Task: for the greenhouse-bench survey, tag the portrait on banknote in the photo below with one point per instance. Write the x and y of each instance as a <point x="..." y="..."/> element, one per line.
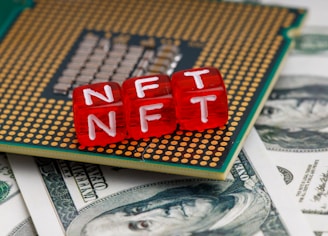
<point x="184" y="207"/>
<point x="157" y="204"/>
<point x="295" y="117"/>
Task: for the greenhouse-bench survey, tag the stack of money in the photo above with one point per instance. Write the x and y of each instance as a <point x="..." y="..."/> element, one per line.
<point x="277" y="186"/>
<point x="294" y="122"/>
<point x="74" y="198"/>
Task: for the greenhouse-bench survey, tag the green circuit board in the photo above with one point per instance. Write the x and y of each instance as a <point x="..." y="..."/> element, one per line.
<point x="57" y="45"/>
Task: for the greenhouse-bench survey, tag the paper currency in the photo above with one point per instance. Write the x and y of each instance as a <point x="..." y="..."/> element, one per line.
<point x="294" y="122"/>
<point x="85" y="199"/>
<point x="308" y="181"/>
<point x="312" y="41"/>
<point x="295" y="118"/>
<point x="14" y="218"/>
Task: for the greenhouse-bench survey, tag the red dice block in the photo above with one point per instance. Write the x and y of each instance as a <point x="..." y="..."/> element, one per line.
<point x="200" y="97"/>
<point x="99" y="116"/>
<point x="149" y="106"/>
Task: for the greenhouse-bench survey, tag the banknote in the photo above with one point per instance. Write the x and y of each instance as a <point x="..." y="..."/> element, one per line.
<point x="293" y="124"/>
<point x="14" y="218"/>
<point x="307" y="179"/>
<point x="85" y="199"/>
<point x="294" y="127"/>
<point x="312" y="41"/>
<point x="295" y="117"/>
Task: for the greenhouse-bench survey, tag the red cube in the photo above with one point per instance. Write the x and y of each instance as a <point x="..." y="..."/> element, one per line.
<point x="149" y="106"/>
<point x="99" y="114"/>
<point x="200" y="97"/>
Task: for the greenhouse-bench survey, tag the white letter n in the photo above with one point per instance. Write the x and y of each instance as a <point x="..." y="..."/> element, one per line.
<point x="111" y="130"/>
<point x="88" y="92"/>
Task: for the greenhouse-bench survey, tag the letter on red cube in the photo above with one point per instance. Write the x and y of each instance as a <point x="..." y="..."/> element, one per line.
<point x="200" y="97"/>
<point x="99" y="114"/>
<point x="149" y="106"/>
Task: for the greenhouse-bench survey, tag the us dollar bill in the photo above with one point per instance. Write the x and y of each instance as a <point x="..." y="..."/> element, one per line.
<point x="87" y="199"/>
<point x="308" y="182"/>
<point x="294" y="122"/>
<point x="295" y="117"/>
<point x="312" y="41"/>
<point x="14" y="218"/>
